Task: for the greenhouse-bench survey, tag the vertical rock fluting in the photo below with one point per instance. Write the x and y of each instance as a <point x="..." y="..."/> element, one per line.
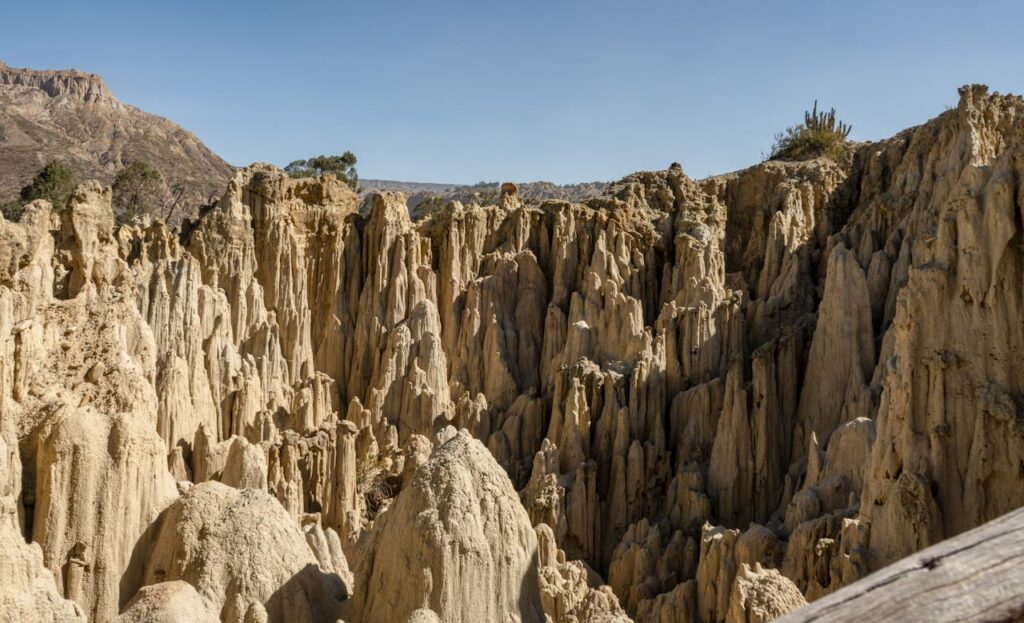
<point x="29" y="591"/>
<point x="948" y="447"/>
<point x="801" y="368"/>
<point x="84" y="405"/>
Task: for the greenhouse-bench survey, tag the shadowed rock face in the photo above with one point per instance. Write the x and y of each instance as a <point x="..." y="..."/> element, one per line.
<point x="722" y="396"/>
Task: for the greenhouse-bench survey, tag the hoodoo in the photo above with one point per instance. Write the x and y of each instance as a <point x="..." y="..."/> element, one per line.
<point x="683" y="400"/>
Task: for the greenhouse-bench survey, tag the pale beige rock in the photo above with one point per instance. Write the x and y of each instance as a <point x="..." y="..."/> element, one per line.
<point x="245" y="466"/>
<point x="842" y="354"/>
<point x="716" y="572"/>
<point x="28" y="592"/>
<point x="82" y="404"/>
<point x="240" y="547"/>
<point x="417" y="452"/>
<point x="731" y="468"/>
<point x="86" y="234"/>
<point x="571" y="591"/>
<point x="346" y="505"/>
<point x="326" y="546"/>
<point x="757" y="545"/>
<point x="456" y="541"/>
<point x="646" y="564"/>
<point x="95" y="545"/>
<point x="676" y="606"/>
<point x="813" y="552"/>
<point x="167" y="602"/>
<point x="760" y="595"/>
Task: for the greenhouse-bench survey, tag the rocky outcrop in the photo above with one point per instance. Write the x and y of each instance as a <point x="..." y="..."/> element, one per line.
<point x="28" y="592"/>
<point x="242" y="553"/>
<point x="78" y="365"/>
<point x="425" y="199"/>
<point x="77" y="85"/>
<point x="167" y="602"/>
<point x="571" y="592"/>
<point x="946" y="457"/>
<point x="708" y="393"/>
<point x="456" y="542"/>
<point x="762" y="595"/>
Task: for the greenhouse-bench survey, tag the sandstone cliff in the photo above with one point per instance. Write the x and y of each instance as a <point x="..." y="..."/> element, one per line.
<point x="681" y="401"/>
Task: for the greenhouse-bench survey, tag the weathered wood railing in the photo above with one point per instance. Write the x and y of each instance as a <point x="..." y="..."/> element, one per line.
<point x="976" y="576"/>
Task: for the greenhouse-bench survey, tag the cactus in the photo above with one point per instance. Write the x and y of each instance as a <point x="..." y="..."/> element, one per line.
<point x="821" y="134"/>
<point x="825" y="122"/>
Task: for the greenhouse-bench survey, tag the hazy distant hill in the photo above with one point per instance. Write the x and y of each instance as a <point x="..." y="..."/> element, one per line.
<point x="72" y="116"/>
<point x="485" y="191"/>
<point x="368" y="186"/>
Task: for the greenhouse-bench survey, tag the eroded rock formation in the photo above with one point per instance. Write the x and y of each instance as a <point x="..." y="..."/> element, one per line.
<point x="681" y="401"/>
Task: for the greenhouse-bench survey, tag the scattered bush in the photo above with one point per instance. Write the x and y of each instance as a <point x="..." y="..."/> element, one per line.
<point x="429" y="208"/>
<point x="138" y="189"/>
<point x="343" y="167"/>
<point x="375" y="483"/>
<point x="54" y="182"/>
<point x="482" y="197"/>
<point x="821" y="134"/>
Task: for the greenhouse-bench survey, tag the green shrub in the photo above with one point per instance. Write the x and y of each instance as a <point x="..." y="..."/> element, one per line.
<point x="429" y="208"/>
<point x="11" y="210"/>
<point x="343" y="167"/>
<point x="484" y="197"/>
<point x="821" y="134"/>
<point x="138" y="189"/>
<point x="54" y="182"/>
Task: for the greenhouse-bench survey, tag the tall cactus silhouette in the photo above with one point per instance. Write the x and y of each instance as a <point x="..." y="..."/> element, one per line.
<point x="825" y="122"/>
<point x="821" y="134"/>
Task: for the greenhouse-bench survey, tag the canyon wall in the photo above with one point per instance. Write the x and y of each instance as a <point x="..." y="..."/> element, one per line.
<point x="700" y="400"/>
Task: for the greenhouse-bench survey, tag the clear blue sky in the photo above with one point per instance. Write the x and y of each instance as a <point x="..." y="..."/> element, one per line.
<point x="559" y="90"/>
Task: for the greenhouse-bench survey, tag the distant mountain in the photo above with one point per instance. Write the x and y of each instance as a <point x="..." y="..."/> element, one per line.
<point x="485" y="191"/>
<point x="72" y="116"/>
<point x="368" y="186"/>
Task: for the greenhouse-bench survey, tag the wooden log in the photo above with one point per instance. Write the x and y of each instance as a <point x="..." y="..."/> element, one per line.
<point x="975" y="576"/>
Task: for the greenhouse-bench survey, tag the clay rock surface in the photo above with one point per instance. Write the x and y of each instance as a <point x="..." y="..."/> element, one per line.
<point x="675" y="401"/>
<point x="456" y="542"/>
<point x="29" y="592"/>
<point x="457" y="545"/>
<point x="242" y="552"/>
<point x="762" y="595"/>
<point x="168" y="602"/>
